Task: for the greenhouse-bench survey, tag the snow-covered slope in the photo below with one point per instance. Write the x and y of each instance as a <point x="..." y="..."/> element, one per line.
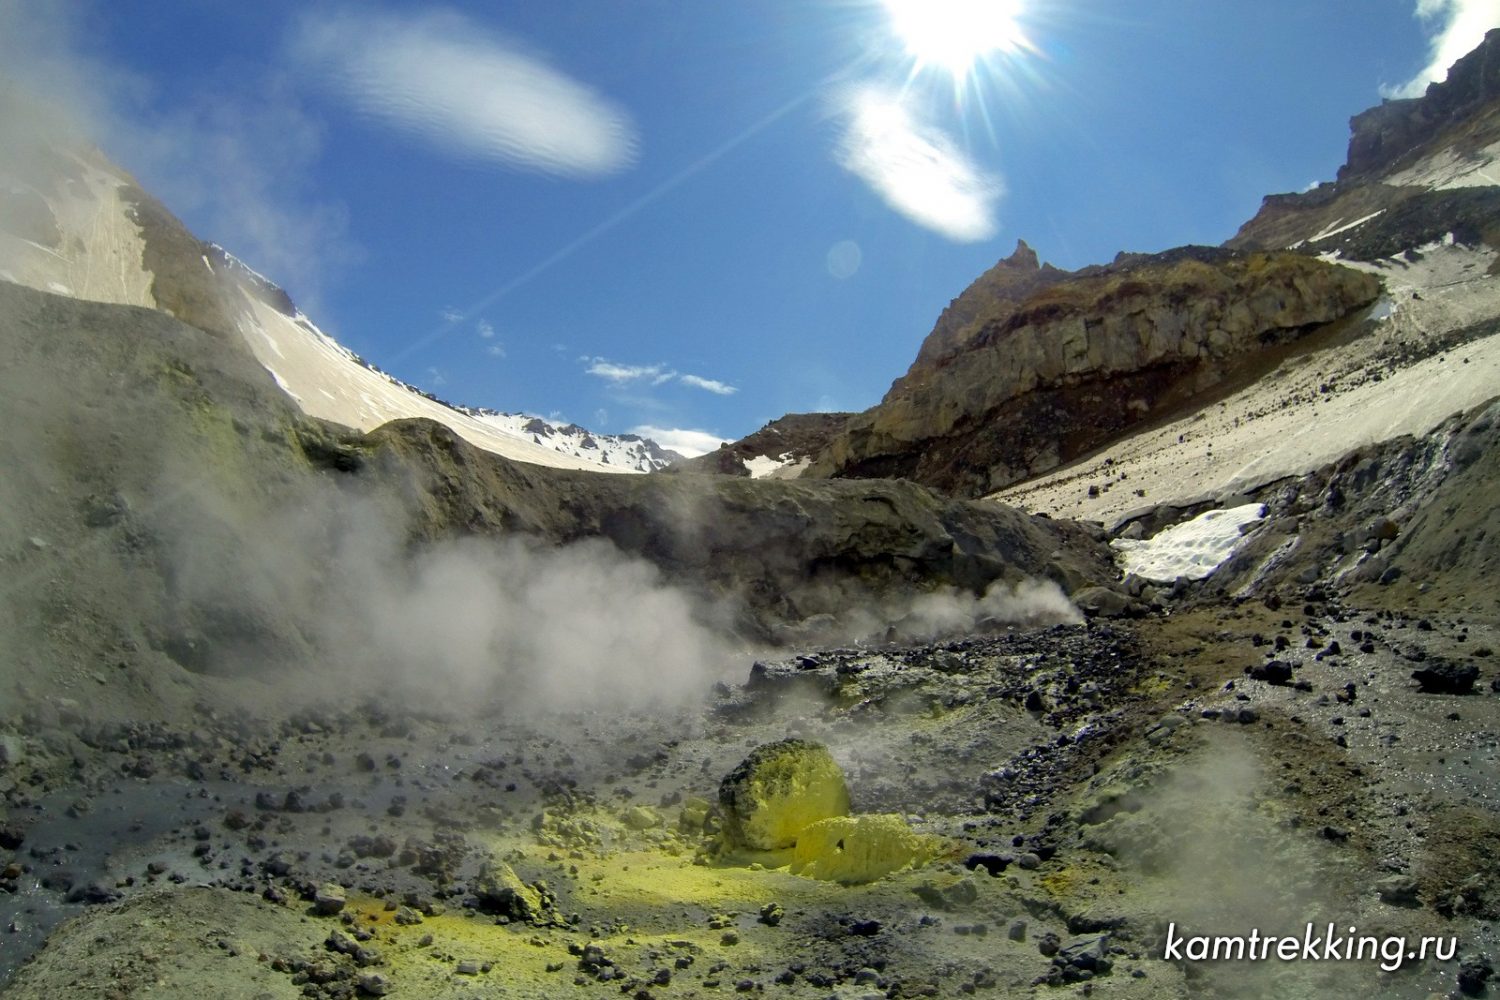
<point x="330" y="381"/>
<point x="628" y="451"/>
<point x="72" y="223"/>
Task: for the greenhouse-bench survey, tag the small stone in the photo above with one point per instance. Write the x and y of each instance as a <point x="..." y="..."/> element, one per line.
<point x="1398" y="890"/>
<point x="374" y="984"/>
<point x="641" y="818"/>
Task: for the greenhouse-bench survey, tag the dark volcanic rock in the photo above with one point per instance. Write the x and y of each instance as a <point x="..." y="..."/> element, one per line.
<point x="792" y="438"/>
<point x="1447" y="677"/>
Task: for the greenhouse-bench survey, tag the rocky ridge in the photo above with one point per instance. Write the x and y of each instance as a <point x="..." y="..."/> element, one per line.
<point x="780" y="449"/>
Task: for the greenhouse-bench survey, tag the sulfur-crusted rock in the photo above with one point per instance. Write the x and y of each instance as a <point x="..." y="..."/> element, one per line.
<point x="778" y="791"/>
<point x="857" y="849"/>
<point x="500" y="890"/>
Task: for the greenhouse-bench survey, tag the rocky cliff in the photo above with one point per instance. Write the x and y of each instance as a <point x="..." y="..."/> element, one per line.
<point x="1411" y="154"/>
<point x="1036" y="366"/>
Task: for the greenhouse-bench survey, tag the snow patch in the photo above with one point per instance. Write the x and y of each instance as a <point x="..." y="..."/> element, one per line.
<point x="1335" y="229"/>
<point x="1191" y="550"/>
<point x="1448" y="169"/>
<point x="762" y="466"/>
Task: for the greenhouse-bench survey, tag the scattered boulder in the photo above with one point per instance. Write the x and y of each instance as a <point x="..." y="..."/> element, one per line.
<point x="641" y="818"/>
<point x="1473" y="972"/>
<point x="329" y="899"/>
<point x="1446" y="677"/>
<point x="500" y="890"/>
<point x="1277" y="672"/>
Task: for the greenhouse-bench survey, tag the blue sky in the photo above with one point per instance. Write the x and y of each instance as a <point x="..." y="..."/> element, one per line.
<point x="696" y="216"/>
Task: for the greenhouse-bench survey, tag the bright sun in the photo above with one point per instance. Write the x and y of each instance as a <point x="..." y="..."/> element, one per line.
<point x="953" y="34"/>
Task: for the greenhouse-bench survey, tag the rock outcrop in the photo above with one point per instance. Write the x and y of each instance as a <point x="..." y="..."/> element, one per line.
<point x="1397" y="131"/>
<point x="784" y="443"/>
<point x="1059" y="364"/>
<point x="1403" y="154"/>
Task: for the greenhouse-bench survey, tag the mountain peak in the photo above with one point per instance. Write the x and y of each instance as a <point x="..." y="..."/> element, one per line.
<point x="1024" y="258"/>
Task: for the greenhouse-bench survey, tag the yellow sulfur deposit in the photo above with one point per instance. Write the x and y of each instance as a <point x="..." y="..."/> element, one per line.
<point x="778" y="790"/>
<point x="856" y="849"/>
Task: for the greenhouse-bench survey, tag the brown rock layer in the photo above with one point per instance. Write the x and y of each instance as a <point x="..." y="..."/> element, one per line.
<point x="1074" y="363"/>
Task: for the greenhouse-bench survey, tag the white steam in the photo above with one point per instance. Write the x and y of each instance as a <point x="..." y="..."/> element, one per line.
<point x="324" y="597"/>
<point x="930" y="615"/>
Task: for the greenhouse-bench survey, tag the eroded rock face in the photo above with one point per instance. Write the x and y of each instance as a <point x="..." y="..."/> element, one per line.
<point x="778" y="791"/>
<point x="1074" y="363"/>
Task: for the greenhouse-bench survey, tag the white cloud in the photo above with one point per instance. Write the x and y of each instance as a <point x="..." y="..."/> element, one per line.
<point x="495" y="351"/>
<point x="916" y="167"/>
<point x="620" y="374"/>
<point x="486" y="329"/>
<point x="435" y="378"/>
<point x="450" y="314"/>
<point x="443" y="79"/>
<point x="708" y="384"/>
<point x="685" y="442"/>
<point x="1456" y="27"/>
<point x="617" y="374"/>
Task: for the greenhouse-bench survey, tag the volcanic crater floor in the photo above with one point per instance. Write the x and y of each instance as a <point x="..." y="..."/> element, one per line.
<point x="1090" y="787"/>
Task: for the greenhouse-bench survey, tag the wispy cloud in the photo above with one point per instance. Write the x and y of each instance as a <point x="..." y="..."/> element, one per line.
<point x="448" y="314"/>
<point x="495" y="351"/>
<point x="618" y="374"/>
<point x="485" y="329"/>
<point x="1456" y="27"/>
<point x="622" y="374"/>
<point x="683" y="441"/>
<point x="916" y="167"/>
<point x="708" y="384"/>
<point x="442" y="79"/>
